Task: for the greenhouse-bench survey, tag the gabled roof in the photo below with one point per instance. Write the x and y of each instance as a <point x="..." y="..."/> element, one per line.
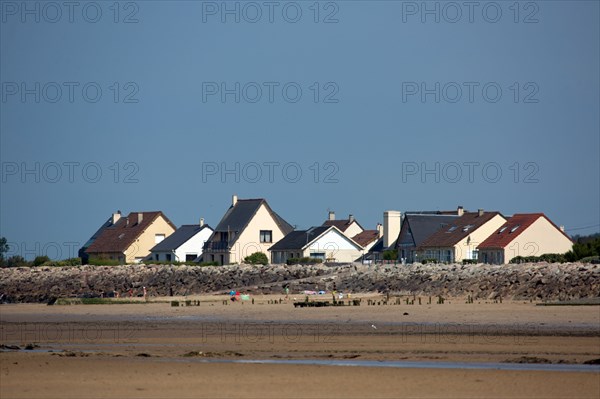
<point x="179" y="237"/>
<point x="366" y="237"/>
<point x="459" y="229"/>
<point x="298" y="239"/>
<point x="341" y="224"/>
<point x="238" y="216"/>
<point x="420" y="226"/>
<point x="514" y="226"/>
<point x="120" y="236"/>
<point x="93" y="238"/>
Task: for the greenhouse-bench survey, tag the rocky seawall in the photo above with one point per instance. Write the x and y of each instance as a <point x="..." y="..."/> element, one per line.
<point x="524" y="281"/>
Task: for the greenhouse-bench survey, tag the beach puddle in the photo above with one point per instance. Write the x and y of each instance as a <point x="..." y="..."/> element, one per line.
<point x="407" y="364"/>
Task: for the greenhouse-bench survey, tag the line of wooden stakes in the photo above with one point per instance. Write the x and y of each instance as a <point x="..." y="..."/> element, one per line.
<point x="440" y="300"/>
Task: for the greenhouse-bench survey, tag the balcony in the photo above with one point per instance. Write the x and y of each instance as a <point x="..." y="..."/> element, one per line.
<point x="216" y="246"/>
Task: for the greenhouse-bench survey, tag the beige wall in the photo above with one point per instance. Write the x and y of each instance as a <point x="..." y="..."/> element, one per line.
<point x="353" y="230"/>
<point x="538" y="239"/>
<point x="141" y="247"/>
<point x="463" y="250"/>
<point x="249" y="241"/>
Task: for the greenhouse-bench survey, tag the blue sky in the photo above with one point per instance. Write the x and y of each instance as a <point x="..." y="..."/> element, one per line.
<point x="402" y="105"/>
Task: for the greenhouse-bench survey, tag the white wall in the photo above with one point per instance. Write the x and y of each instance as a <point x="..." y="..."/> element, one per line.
<point x="336" y="246"/>
<point x="193" y="245"/>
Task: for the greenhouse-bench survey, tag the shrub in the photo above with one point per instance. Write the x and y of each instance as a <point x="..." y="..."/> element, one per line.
<point x="63" y="263"/>
<point x="39" y="260"/>
<point x="257" y="258"/>
<point x="429" y="260"/>
<point x="390" y="255"/>
<point x="550" y="258"/>
<point x="209" y="264"/>
<point x="469" y="261"/>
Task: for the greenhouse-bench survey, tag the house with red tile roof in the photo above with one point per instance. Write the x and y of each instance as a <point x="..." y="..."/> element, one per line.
<point x="459" y="238"/>
<point x="350" y="227"/>
<point x="368" y="238"/>
<point x="353" y="230"/>
<point x="524" y="234"/>
<point x="129" y="239"/>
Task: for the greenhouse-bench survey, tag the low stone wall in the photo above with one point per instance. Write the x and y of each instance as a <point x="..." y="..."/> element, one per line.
<point x="524" y="281"/>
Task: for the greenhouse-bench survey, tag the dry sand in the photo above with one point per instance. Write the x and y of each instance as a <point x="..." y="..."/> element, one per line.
<point x="155" y="350"/>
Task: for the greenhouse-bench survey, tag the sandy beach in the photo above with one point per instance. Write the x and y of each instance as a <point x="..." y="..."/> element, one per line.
<point x="156" y="350"/>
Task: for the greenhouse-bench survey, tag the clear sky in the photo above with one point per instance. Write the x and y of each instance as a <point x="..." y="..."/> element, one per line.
<point x="353" y="106"/>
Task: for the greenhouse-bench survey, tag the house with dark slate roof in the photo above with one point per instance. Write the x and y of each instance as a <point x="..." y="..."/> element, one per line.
<point x="327" y="243"/>
<point x="416" y="228"/>
<point x="184" y="245"/>
<point x="459" y="239"/>
<point x="129" y="239"/>
<point x="248" y="226"/>
<point x="524" y="234"/>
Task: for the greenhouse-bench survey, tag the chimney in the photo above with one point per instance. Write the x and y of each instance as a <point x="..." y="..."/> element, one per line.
<point x="234" y="199"/>
<point x="201" y="222"/>
<point x="479" y="212"/>
<point x="331" y="215"/>
<point x="391" y="227"/>
<point x="116" y="216"/>
<point x="379" y="230"/>
<point x="140" y="217"/>
<point x="350" y="218"/>
<point x="562" y="228"/>
<point x="460" y="211"/>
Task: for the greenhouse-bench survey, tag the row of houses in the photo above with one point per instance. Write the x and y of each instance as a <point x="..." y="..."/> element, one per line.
<point x="251" y="225"/>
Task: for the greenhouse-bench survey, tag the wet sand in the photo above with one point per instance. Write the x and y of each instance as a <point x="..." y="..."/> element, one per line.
<point x="155" y="350"/>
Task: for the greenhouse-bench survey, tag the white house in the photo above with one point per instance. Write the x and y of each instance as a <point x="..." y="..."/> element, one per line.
<point x="327" y="243"/>
<point x="184" y="245"/>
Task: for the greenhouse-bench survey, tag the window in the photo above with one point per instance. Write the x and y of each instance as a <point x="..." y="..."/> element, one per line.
<point x="318" y="255"/>
<point x="451" y="229"/>
<point x="501" y="230"/>
<point x="514" y="228"/>
<point x="168" y="256"/>
<point x="156" y="257"/>
<point x="266" y="236"/>
<point x="467" y="227"/>
<point x="190" y="257"/>
<point x="158" y="238"/>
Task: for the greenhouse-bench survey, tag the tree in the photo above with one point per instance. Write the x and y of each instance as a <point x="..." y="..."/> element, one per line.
<point x="16" y="261"/>
<point x="3" y="247"/>
<point x="257" y="258"/>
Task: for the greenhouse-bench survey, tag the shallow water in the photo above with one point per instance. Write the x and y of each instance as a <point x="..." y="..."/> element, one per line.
<point x="415" y="364"/>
